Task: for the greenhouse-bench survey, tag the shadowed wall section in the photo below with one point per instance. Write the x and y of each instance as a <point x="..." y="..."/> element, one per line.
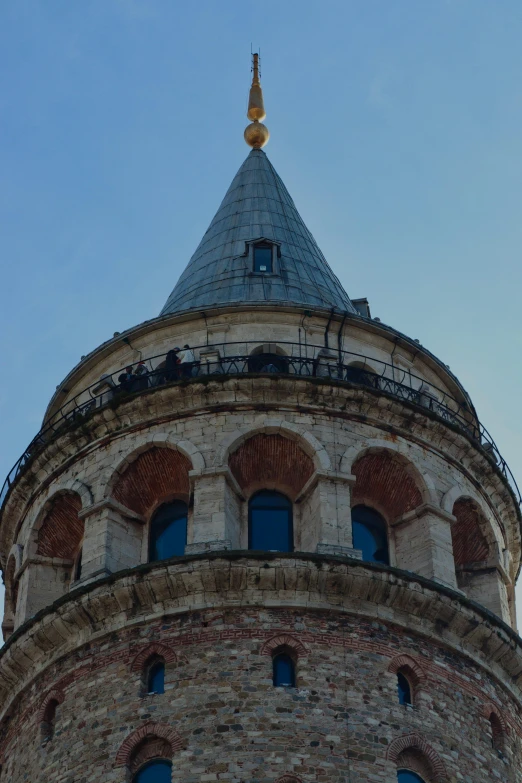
<point x="469" y="543"/>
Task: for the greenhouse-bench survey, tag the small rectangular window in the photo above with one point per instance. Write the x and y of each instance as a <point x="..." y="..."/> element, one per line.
<point x="263" y="259"/>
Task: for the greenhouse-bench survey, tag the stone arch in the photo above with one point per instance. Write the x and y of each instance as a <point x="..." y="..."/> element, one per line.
<point x="406" y="662"/>
<point x="424" y="480"/>
<point x="150" y="731"/>
<point x="271" y="461"/>
<point x="308" y="442"/>
<point x="416" y="746"/>
<point x="155" y="648"/>
<point x="152" y="474"/>
<point x="388" y="482"/>
<point x="58" y="530"/>
<point x="283" y="640"/>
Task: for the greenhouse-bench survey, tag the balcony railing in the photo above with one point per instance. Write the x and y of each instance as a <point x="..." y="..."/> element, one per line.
<point x="292" y="359"/>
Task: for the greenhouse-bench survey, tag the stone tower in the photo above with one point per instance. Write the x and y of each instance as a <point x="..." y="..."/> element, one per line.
<point x="284" y="553"/>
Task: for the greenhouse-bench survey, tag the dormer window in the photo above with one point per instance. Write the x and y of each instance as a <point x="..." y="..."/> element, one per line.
<point x="263" y="254"/>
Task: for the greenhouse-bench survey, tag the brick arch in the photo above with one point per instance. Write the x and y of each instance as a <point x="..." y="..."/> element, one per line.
<point x="155" y="648"/>
<point x="308" y="442"/>
<point x="157" y="474"/>
<point x="490" y="709"/>
<point x="388" y="482"/>
<point x="60" y="531"/>
<point x="283" y="640"/>
<point x="415" y="742"/>
<point x="470" y="545"/>
<point x="54" y="695"/>
<point x="271" y="461"/>
<point x="288" y="779"/>
<point x="149" y="731"/>
<point x="412" y="667"/>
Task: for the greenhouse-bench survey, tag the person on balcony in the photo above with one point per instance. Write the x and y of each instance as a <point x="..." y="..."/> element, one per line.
<point x="126" y="379"/>
<point x="141" y="374"/>
<point x="186" y="360"/>
<point x="172" y="366"/>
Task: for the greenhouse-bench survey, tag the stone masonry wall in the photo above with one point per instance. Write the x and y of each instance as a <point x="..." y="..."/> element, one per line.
<point x="338" y="724"/>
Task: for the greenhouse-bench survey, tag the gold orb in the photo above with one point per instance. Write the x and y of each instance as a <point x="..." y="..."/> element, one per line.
<point x="256" y="135"/>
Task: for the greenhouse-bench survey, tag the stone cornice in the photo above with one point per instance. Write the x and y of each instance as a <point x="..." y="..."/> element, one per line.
<point x="235" y="578"/>
<point x="113" y="505"/>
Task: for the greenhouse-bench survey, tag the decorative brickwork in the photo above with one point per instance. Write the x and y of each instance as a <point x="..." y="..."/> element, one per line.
<point x="61" y="531"/>
<point x="415" y="671"/>
<point x="54" y="696"/>
<point x="157" y="475"/>
<point x="384" y="481"/>
<point x="469" y="543"/>
<point x="283" y="640"/>
<point x="155" y="648"/>
<point x="402" y="747"/>
<point x="271" y="461"/>
<point x="150" y="731"/>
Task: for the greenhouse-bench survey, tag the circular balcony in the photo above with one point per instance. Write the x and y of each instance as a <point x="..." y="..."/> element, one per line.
<point x="283" y="358"/>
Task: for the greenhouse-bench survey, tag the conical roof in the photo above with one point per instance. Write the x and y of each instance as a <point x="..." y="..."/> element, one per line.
<point x="257" y="206"/>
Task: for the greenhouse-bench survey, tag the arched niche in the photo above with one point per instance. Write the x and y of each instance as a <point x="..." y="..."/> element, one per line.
<point x="480" y="572"/>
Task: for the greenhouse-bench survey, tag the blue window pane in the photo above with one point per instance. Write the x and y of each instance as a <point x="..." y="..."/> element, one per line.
<point x="168" y="531"/>
<point x="284" y="671"/>
<point x="157" y="772"/>
<point x="262" y="259"/>
<point x="404" y="776"/>
<point x="270" y="525"/>
<point x="369" y="534"/>
<point x="403" y="687"/>
<point x="156" y="682"/>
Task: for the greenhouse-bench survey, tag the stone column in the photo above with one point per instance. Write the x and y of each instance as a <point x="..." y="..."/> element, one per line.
<point x="113" y="538"/>
<point x="423" y="545"/>
<point x="487" y="584"/>
<point x="217" y="511"/>
<point x="42" y="580"/>
<point x="325" y="519"/>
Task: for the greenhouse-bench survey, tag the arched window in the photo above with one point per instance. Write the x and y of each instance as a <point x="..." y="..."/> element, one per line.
<point x="270" y="522"/>
<point x="497" y="732"/>
<point x="154" y="772"/>
<point x="405" y="776"/>
<point x="49" y="721"/>
<point x="156" y="676"/>
<point x="404" y="689"/>
<point x="370" y="534"/>
<point x="168" y="531"/>
<point x="283" y="669"/>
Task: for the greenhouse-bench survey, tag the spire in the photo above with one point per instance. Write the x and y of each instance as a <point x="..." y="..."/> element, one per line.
<point x="257" y="211"/>
<point x="256" y="134"/>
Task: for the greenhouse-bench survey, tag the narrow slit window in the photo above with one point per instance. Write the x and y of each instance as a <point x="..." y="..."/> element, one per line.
<point x="404" y="689"/>
<point x="283" y="671"/>
<point x="263" y="259"/>
<point x="156" y="678"/>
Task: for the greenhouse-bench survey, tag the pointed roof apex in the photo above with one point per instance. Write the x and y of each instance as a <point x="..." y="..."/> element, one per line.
<point x="257" y="209"/>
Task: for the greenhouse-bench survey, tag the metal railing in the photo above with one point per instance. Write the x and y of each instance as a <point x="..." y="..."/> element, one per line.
<point x="239" y="358"/>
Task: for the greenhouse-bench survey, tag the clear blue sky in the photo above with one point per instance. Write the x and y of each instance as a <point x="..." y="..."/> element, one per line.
<point x="396" y="126"/>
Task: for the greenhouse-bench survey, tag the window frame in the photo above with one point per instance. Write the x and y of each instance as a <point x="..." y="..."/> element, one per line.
<point x="144" y="767"/>
<point x="157" y="510"/>
<point x="410" y="772"/>
<point x="279" y="653"/>
<point x="264" y="243"/>
<point x="385" y="530"/>
<point x="268" y="508"/>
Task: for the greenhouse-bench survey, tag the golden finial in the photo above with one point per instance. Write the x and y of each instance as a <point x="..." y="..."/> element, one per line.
<point x="256" y="134"/>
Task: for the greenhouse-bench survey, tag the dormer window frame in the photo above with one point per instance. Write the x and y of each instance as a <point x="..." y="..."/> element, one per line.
<point x="276" y="255"/>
